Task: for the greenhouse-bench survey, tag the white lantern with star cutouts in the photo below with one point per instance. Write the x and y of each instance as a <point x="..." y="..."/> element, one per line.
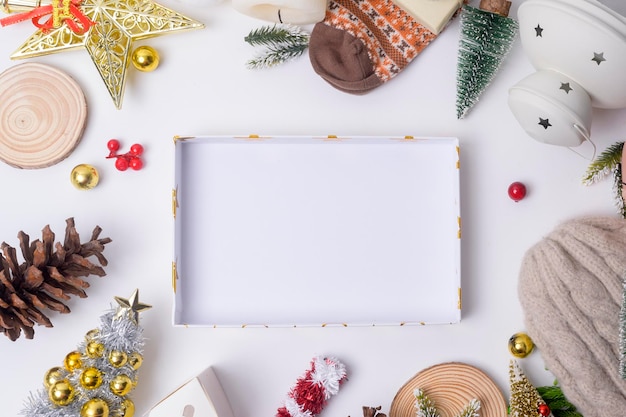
<point x="579" y="50"/>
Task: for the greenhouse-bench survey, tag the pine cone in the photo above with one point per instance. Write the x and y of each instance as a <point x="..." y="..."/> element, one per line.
<point x="50" y="273"/>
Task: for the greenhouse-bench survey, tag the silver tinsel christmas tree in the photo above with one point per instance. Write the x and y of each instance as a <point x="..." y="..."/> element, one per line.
<point x="96" y="378"/>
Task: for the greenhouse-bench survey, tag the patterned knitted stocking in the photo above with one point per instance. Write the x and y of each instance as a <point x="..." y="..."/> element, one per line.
<point x="362" y="44"/>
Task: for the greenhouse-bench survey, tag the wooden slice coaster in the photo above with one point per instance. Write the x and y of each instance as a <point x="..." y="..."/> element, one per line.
<point x="42" y="115"/>
<point x="451" y="386"/>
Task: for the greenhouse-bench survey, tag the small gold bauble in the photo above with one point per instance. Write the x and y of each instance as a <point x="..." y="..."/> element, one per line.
<point x="95" y="407"/>
<point x="127" y="408"/>
<point x="84" y="177"/>
<point x="73" y="361"/>
<point x="61" y="392"/>
<point x="521" y="345"/>
<point x="145" y="58"/>
<point x="91" y="334"/>
<point x="118" y="358"/>
<point x="91" y="378"/>
<point x="53" y="376"/>
<point x="94" y="349"/>
<point x="121" y="385"/>
<point x="135" y="360"/>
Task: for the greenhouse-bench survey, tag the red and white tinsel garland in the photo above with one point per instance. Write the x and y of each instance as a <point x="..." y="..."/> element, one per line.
<point x="312" y="390"/>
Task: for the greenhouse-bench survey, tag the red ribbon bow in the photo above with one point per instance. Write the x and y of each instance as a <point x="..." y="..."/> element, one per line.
<point x="59" y="12"/>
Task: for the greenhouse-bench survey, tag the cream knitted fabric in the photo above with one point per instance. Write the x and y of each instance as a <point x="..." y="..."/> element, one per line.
<point x="570" y="288"/>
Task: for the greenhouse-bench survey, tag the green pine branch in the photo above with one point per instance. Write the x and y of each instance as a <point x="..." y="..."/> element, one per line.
<point x="604" y="164"/>
<point x="555" y="399"/>
<point x="471" y="410"/>
<point x="424" y="406"/>
<point x="277" y="34"/>
<point x="609" y="162"/>
<point x="282" y="43"/>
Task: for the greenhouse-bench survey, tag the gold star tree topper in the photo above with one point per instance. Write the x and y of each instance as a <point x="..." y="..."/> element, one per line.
<point x="117" y="23"/>
<point x="130" y="307"/>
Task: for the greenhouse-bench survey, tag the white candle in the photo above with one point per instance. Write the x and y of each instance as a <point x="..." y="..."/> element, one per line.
<point x="295" y="12"/>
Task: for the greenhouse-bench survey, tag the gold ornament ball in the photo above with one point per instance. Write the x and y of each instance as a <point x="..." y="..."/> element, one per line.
<point x="127" y="408"/>
<point x="61" y="392"/>
<point x="118" y="358"/>
<point x="92" y="334"/>
<point x="121" y="385"/>
<point x="145" y="58"/>
<point x="95" y="407"/>
<point x="94" y="349"/>
<point x="521" y="345"/>
<point x="84" y="177"/>
<point x="91" y="378"/>
<point x="53" y="376"/>
<point x="72" y="361"/>
<point x="135" y="360"/>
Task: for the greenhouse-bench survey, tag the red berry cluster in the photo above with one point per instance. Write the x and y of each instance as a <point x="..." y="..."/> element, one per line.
<point x="130" y="159"/>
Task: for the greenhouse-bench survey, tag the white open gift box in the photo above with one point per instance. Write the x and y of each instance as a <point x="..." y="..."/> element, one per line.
<point x="316" y="231"/>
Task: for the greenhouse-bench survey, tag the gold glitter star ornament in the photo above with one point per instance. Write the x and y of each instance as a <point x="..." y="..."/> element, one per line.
<point x="130" y="307"/>
<point x="117" y="24"/>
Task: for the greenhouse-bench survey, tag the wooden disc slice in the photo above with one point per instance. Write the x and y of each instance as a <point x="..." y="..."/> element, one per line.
<point x="451" y="386"/>
<point x="42" y="115"/>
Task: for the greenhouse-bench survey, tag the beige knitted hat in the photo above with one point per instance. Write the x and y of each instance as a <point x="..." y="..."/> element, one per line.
<point x="570" y="288"/>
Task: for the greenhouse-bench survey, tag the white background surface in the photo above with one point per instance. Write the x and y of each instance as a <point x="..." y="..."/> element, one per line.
<point x="203" y="87"/>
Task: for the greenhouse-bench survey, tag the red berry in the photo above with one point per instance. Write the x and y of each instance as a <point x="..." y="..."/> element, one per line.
<point x="113" y="145"/>
<point x="517" y="191"/>
<point x="136" y="149"/>
<point x="121" y="164"/>
<point x="544" y="410"/>
<point x="135" y="163"/>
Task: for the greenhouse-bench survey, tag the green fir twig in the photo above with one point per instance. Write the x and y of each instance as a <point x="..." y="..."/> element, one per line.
<point x="555" y="399"/>
<point x="471" y="409"/>
<point x="604" y="164"/>
<point x="424" y="406"/>
<point x="281" y="43"/>
<point x="609" y="162"/>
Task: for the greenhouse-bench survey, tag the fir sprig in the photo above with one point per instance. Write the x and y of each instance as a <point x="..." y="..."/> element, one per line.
<point x="609" y="162"/>
<point x="604" y="164"/>
<point x="281" y="43"/>
<point x="559" y="405"/>
<point x="424" y="406"/>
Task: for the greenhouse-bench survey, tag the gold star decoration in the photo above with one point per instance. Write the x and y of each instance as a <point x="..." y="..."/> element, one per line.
<point x="130" y="307"/>
<point x="109" y="41"/>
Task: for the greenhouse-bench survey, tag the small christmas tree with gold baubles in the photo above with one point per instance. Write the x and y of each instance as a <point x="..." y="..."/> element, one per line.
<point x="96" y="378"/>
